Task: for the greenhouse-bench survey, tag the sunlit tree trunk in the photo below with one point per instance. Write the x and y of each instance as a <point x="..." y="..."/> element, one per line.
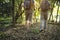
<point x="19" y="12"/>
<point x="34" y="16"/>
<point x="51" y="15"/>
<point x="57" y="12"/>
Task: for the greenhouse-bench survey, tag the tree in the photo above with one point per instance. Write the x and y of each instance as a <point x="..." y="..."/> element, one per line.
<point x="52" y="7"/>
<point x="58" y="4"/>
<point x="52" y="3"/>
<point x="13" y="15"/>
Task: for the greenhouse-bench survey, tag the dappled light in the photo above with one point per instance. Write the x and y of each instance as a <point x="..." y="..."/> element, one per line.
<point x="29" y="19"/>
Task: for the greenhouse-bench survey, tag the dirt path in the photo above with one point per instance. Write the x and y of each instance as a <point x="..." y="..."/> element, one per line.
<point x="20" y="33"/>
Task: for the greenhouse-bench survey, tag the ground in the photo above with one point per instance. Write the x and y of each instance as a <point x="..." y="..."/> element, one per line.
<point x="20" y="33"/>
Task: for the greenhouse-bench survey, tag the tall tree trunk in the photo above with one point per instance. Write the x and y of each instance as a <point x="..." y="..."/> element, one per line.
<point x="57" y="12"/>
<point x="13" y="14"/>
<point x="51" y="15"/>
<point x="19" y="12"/>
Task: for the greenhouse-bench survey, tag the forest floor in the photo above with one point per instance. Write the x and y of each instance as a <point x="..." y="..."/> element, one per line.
<point x="20" y="33"/>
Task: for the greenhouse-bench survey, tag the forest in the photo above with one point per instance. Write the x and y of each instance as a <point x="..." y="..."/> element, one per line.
<point x="13" y="21"/>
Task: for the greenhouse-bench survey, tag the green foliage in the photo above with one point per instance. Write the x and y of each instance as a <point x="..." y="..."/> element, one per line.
<point x="4" y="36"/>
<point x="35" y="30"/>
<point x="2" y="0"/>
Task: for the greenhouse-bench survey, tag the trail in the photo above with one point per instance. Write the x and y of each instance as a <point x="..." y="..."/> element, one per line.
<point x="20" y="33"/>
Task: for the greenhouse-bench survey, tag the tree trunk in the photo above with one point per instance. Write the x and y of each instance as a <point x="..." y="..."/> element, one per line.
<point x="19" y="12"/>
<point x="51" y="12"/>
<point x="57" y="12"/>
<point x="13" y="16"/>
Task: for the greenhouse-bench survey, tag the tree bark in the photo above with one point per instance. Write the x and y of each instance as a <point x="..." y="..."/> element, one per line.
<point x="51" y="12"/>
<point x="13" y="16"/>
<point x="57" y="12"/>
